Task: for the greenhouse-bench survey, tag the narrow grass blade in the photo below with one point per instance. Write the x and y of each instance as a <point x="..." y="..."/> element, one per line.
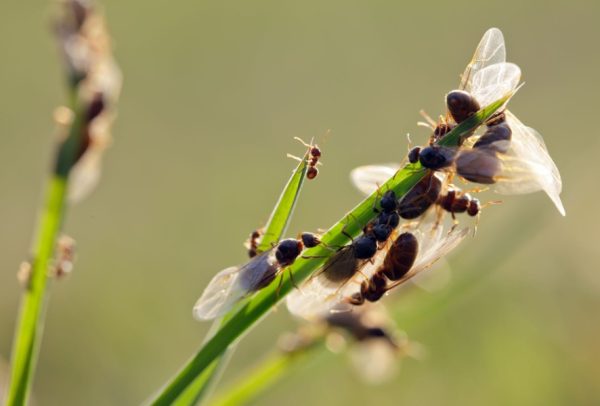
<point x="284" y="208"/>
<point x="252" y="311"/>
<point x="273" y="232"/>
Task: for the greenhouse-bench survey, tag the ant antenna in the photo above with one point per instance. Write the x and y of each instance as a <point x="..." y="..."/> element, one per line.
<point x="429" y="122"/>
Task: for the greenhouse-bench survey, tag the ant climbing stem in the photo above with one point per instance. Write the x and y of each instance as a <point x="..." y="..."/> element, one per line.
<point x="314" y="154"/>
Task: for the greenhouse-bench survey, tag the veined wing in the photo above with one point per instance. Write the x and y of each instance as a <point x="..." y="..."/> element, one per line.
<point x="232" y="284"/>
<point x="433" y="245"/>
<point x="369" y="177"/>
<point x="527" y="166"/>
<point x="490" y="51"/>
<point x="494" y="82"/>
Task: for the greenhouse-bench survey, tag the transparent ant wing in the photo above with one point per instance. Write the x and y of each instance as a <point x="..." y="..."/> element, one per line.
<point x="222" y="292"/>
<point x="436" y="279"/>
<point x="328" y="289"/>
<point x="433" y="245"/>
<point x="369" y="177"/>
<point x="527" y="166"/>
<point x="232" y="284"/>
<point x="491" y="50"/>
<point x="494" y="82"/>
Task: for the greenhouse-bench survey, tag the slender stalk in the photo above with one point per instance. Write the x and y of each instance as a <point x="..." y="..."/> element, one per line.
<point x="28" y="334"/>
<point x="31" y="323"/>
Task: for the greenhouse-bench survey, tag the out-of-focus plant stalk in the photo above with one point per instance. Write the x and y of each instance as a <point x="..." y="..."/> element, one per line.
<point x="84" y="131"/>
<point x="31" y="321"/>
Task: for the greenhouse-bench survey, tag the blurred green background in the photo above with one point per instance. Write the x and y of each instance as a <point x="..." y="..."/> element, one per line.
<point x="213" y="94"/>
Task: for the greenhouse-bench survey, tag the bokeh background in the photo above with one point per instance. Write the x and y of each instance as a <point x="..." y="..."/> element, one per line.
<point x="213" y="94"/>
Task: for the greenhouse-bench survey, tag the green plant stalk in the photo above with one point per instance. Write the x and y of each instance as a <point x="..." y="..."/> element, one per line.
<point x="31" y="315"/>
<point x="311" y="260"/>
<point x="273" y="232"/>
<point x="32" y="306"/>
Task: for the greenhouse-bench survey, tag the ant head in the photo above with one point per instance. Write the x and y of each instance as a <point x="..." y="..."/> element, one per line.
<point x="389" y="202"/>
<point x="287" y="251"/>
<point x="413" y="155"/>
<point x="310" y="240"/>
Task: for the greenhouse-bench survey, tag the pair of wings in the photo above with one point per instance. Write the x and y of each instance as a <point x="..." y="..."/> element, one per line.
<point x="527" y="166"/>
<point x="232" y="284"/>
<point x="317" y="297"/>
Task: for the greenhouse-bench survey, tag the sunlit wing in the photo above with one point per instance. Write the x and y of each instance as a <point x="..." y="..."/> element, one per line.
<point x="491" y="50"/>
<point x="369" y="177"/>
<point x="232" y="284"/>
<point x="320" y="295"/>
<point x="527" y="166"/>
<point x="222" y="292"/>
<point x="494" y="82"/>
<point x="436" y="279"/>
<point x="433" y="245"/>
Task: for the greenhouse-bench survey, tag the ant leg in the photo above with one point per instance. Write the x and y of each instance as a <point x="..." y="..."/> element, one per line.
<point x="294" y="284"/>
<point x="377" y="200"/>
<point x="294" y="157"/>
<point x="429" y="121"/>
<point x="301" y="141"/>
<point x="279" y="284"/>
<point x="492" y="203"/>
<point x="313" y="256"/>
<point x="347" y="220"/>
<point x="477" y="189"/>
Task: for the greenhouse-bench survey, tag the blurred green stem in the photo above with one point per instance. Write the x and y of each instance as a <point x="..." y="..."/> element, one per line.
<point x="31" y="315"/>
<point x="31" y="322"/>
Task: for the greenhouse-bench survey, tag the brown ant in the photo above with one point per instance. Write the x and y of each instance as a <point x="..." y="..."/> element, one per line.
<point x="314" y="154"/>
